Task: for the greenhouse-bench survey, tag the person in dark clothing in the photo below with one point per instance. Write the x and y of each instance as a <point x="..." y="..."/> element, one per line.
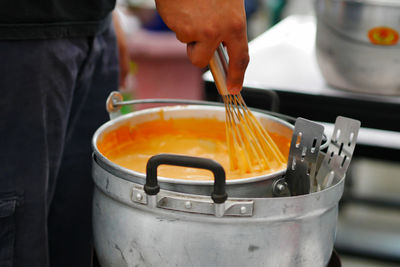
<point x="59" y="61"/>
<point x="53" y="94"/>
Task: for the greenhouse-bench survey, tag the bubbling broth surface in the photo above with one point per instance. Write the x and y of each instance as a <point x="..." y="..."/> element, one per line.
<point x="132" y="146"/>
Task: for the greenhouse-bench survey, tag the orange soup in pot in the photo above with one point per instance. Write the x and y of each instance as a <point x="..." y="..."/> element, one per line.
<point x="132" y="146"/>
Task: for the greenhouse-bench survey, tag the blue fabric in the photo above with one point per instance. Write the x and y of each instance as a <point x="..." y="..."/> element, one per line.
<point x="52" y="99"/>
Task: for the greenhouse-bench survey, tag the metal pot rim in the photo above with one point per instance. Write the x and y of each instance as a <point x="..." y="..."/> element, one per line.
<point x="395" y="3"/>
<point x="121" y="190"/>
<point x="126" y="173"/>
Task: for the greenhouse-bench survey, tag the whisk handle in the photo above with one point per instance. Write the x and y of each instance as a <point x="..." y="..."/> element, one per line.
<point x="219" y="69"/>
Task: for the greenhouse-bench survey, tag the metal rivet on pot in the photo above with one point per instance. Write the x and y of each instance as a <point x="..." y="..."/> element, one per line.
<point x="280" y="187"/>
<point x="139" y="196"/>
<point x="188" y="204"/>
<point x="243" y="210"/>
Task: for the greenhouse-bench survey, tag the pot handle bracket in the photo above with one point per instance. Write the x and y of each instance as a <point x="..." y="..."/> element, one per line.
<point x="152" y="188"/>
<point x="112" y="105"/>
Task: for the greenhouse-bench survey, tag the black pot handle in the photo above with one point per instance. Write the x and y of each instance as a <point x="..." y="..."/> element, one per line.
<point x="152" y="188"/>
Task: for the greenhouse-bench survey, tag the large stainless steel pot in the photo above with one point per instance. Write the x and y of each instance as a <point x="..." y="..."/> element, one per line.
<point x="164" y="228"/>
<point x="145" y="220"/>
<point x="260" y="186"/>
<point x="357" y="44"/>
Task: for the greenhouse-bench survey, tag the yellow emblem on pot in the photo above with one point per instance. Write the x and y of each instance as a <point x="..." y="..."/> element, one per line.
<point x="383" y="36"/>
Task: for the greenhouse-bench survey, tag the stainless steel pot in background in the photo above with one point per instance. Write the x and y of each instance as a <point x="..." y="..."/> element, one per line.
<point x="357" y="44"/>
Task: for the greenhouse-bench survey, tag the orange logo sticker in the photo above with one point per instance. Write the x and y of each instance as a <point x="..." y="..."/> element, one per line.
<point x="383" y="36"/>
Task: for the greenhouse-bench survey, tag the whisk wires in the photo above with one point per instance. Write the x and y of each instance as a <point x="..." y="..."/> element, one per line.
<point x="250" y="146"/>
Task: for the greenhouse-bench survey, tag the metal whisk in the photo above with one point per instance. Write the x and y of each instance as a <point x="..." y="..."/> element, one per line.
<point x="250" y="146"/>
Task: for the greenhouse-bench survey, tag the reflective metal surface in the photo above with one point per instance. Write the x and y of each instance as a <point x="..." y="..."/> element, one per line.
<point x="288" y="231"/>
<point x="181" y="225"/>
<point x="340" y="151"/>
<point x="303" y="155"/>
<point x="358" y="46"/>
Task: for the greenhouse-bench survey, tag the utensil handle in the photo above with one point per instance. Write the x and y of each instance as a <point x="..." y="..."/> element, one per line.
<point x="219" y="69"/>
<point x="152" y="187"/>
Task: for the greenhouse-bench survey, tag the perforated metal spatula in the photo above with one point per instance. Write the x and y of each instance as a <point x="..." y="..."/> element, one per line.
<point x="340" y="151"/>
<point x="303" y="154"/>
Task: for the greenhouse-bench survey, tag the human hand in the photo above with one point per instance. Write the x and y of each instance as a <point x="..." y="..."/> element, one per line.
<point x="203" y="25"/>
<point x="123" y="53"/>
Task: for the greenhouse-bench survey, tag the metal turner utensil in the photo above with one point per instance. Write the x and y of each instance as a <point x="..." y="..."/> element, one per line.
<point x="340" y="151"/>
<point x="303" y="154"/>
